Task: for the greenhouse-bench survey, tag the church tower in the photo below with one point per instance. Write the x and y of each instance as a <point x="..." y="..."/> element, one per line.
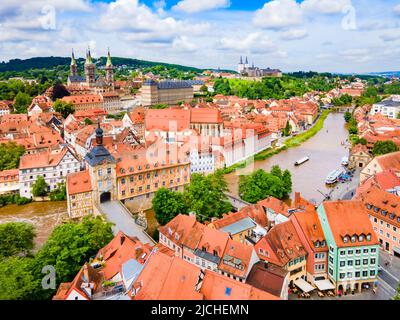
<point x="73" y="69"/>
<point x="240" y="65"/>
<point x="109" y="70"/>
<point x="90" y="70"/>
<point x="246" y="64"/>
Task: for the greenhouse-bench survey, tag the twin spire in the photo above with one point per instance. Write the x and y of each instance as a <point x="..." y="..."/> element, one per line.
<point x="89" y="59"/>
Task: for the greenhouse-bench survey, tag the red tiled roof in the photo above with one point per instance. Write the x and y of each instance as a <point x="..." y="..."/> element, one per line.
<point x="218" y="287"/>
<point x="168" y="278"/>
<point x="79" y="182"/>
<point x="348" y="218"/>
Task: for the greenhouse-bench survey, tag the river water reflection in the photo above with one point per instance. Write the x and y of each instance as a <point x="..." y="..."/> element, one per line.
<point x="325" y="151"/>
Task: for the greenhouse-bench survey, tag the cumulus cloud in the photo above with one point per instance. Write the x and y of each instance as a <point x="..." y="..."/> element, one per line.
<point x="325" y="6"/>
<point x="294" y="34"/>
<point x="194" y="6"/>
<point x="279" y="14"/>
<point x="256" y="43"/>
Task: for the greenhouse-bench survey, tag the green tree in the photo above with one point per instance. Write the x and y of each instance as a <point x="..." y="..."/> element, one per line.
<point x="16" y="238"/>
<point x="347" y="116"/>
<point x="39" y="187"/>
<point x="206" y="196"/>
<point x="286" y="131"/>
<point x="88" y="121"/>
<point x="60" y="193"/>
<point x="16" y="279"/>
<point x="167" y="205"/>
<point x="397" y="296"/>
<point x="69" y="246"/>
<point x="22" y="101"/>
<point x="261" y="184"/>
<point x="384" y="147"/>
<point x="10" y="153"/>
<point x="65" y="108"/>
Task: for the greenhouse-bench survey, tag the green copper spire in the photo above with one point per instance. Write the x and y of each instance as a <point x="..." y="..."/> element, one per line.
<point x="88" y="57"/>
<point x="73" y="61"/>
<point x="109" y="63"/>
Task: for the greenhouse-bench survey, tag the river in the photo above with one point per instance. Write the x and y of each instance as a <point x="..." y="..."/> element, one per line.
<point x="325" y="152"/>
<point x="44" y="216"/>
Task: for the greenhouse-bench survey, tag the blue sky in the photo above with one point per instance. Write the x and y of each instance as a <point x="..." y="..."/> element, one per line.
<point x="321" y="35"/>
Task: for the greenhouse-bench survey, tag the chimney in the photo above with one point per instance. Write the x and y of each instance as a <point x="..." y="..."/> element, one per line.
<point x="297" y="199"/>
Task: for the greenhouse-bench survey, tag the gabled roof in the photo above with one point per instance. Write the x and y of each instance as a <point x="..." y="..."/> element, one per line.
<point x="236" y="258"/>
<point x="167" y="278"/>
<point x="219" y="287"/>
<point x="281" y="245"/>
<point x="348" y="218"/>
<point x="79" y="182"/>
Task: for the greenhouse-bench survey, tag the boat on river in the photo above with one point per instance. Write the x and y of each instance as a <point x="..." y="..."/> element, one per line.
<point x="333" y="177"/>
<point x="301" y="161"/>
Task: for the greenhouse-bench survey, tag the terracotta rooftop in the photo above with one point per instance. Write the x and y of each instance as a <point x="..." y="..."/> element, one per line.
<point x="218" y="287"/>
<point x="267" y="277"/>
<point x="79" y="182"/>
<point x="348" y="218"/>
<point x="167" y="278"/>
<point x="281" y="245"/>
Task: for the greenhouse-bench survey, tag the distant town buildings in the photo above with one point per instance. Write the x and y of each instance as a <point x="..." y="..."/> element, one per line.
<point x="389" y="107"/>
<point x="245" y="70"/>
<point x="166" y="92"/>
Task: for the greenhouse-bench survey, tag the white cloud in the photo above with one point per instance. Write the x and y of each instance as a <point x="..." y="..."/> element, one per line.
<point x="254" y="42"/>
<point x="294" y="34"/>
<point x="184" y="44"/>
<point x="390" y="36"/>
<point x="396" y="9"/>
<point x="279" y="14"/>
<point x="194" y="6"/>
<point x="325" y="6"/>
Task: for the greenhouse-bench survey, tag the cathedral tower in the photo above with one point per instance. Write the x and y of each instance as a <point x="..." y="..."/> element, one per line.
<point x="90" y="70"/>
<point x="109" y="70"/>
<point x="73" y="70"/>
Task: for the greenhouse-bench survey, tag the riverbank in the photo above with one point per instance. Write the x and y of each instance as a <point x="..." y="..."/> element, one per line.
<point x="44" y="216"/>
<point x="325" y="151"/>
<point x="289" y="143"/>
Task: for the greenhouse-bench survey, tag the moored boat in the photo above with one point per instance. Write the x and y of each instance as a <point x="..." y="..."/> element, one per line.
<point x="333" y="177"/>
<point x="301" y="161"/>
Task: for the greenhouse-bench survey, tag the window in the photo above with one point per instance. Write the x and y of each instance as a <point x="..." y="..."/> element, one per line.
<point x="342" y="263"/>
<point x="342" y="253"/>
<point x="353" y="239"/>
<point x="349" y="275"/>
<point x="350" y="262"/>
<point x="357" y="275"/>
<point x="350" y="252"/>
<point x="365" y="273"/>
<point x="108" y="170"/>
<point x="358" y="262"/>
<point x="373" y="260"/>
<point x="100" y="172"/>
<point x="358" y="251"/>
<point x="331" y="271"/>
<point x="372" y="273"/>
<point x="361" y="238"/>
<point x="342" y="275"/>
<point x="373" y="250"/>
<point x="365" y="262"/>
<point x="365" y="251"/>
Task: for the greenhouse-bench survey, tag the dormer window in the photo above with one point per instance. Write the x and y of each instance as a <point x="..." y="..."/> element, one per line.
<point x="316" y="244"/>
<point x="323" y="243"/>
<point x="361" y="238"/>
<point x="392" y="216"/>
<point x="384" y="213"/>
<point x="369" y="206"/>
<point x="368" y="237"/>
<point x="353" y="239"/>
<point x="376" y="209"/>
<point x="345" y="239"/>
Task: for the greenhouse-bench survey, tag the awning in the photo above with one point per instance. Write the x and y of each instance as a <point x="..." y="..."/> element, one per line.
<point x="324" y="285"/>
<point x="303" y="285"/>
